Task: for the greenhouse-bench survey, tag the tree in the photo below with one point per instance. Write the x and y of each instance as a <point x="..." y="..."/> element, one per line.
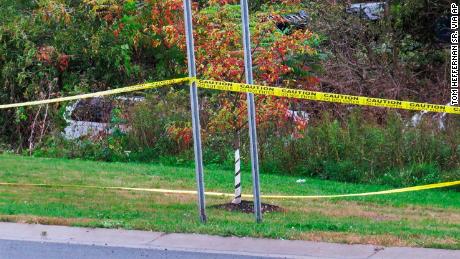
<point x="50" y="48"/>
<point x="279" y="59"/>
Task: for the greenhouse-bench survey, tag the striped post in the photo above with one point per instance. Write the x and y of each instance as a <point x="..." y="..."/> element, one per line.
<point x="237" y="199"/>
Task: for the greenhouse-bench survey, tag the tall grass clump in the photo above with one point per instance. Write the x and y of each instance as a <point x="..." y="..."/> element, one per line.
<point x="361" y="150"/>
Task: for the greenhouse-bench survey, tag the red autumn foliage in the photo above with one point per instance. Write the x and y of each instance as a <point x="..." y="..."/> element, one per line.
<point x="219" y="56"/>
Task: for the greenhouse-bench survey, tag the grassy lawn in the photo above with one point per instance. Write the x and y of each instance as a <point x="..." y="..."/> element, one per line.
<point x="425" y="219"/>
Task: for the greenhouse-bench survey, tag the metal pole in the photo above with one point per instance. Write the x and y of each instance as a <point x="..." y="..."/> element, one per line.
<point x="195" y="110"/>
<point x="251" y="110"/>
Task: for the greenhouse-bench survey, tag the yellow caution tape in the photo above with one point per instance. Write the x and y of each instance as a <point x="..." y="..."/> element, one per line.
<point x="221" y="194"/>
<point x="401" y="190"/>
<point x="99" y="94"/>
<point x="263" y="90"/>
<point x="325" y="97"/>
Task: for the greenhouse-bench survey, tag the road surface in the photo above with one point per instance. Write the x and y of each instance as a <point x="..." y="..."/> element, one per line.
<point x="13" y="249"/>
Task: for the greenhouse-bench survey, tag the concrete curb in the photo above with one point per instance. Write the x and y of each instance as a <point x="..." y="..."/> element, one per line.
<point x="210" y="244"/>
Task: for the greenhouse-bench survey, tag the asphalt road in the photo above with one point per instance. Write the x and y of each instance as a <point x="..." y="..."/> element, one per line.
<point x="36" y="250"/>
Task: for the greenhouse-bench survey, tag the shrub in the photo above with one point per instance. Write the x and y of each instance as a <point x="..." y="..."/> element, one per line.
<point x="359" y="150"/>
<point x="159" y="122"/>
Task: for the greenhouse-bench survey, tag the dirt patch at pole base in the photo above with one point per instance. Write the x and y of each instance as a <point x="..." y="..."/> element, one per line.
<point x="247" y="207"/>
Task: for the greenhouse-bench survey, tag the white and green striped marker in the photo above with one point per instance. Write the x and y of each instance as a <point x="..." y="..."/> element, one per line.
<point x="237" y="199"/>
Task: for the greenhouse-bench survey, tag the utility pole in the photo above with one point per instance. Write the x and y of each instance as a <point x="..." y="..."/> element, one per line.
<point x="195" y="110"/>
<point x="251" y="110"/>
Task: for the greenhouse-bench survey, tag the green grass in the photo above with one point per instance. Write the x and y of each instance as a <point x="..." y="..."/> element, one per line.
<point x="426" y="219"/>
